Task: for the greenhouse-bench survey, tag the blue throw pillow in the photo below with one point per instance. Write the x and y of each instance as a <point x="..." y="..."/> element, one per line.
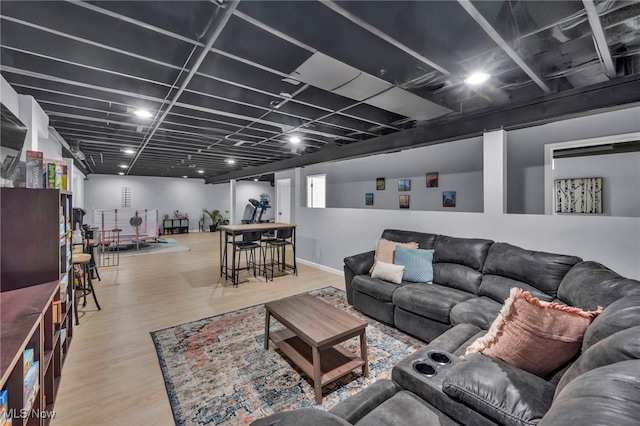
<point x="417" y="264"/>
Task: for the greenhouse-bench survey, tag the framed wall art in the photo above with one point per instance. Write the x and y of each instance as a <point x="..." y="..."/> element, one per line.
<point x="404" y="185"/>
<point x="432" y="180"/>
<point x="368" y="199"/>
<point x="448" y="198"/>
<point x="380" y="184"/>
<point x="404" y="202"/>
<point x="582" y="195"/>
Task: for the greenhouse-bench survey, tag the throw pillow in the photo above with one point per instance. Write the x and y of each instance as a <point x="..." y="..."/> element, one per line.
<point x="388" y="272"/>
<point x="386" y="248"/>
<point x="535" y="336"/>
<point x="417" y="264"/>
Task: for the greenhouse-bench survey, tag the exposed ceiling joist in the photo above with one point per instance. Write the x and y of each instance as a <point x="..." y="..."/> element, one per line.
<point x="599" y="38"/>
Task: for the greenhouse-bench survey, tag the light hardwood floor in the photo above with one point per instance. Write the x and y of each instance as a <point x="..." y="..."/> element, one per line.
<point x="111" y="375"/>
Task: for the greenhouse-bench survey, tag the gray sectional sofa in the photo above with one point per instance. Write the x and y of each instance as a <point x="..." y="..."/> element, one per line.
<point x="471" y="279"/>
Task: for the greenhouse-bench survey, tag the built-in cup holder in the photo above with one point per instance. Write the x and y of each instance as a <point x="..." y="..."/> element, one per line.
<point x="440" y="358"/>
<point x="425" y="369"/>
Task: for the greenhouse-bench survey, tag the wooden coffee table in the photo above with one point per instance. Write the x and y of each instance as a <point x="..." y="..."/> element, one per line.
<point x="311" y="339"/>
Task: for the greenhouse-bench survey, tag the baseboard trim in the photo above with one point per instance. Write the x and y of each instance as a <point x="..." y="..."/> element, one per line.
<point x="319" y="266"/>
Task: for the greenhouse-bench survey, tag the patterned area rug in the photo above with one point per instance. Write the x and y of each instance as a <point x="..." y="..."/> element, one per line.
<point x="217" y="372"/>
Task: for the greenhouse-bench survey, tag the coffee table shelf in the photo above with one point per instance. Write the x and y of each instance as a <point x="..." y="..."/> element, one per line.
<point x="312" y="337"/>
<point x="335" y="362"/>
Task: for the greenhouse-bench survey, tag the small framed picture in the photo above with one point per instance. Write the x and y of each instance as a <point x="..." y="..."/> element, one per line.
<point x="380" y="184"/>
<point x="404" y="185"/>
<point x="432" y="180"/>
<point x="448" y="198"/>
<point x="404" y="201"/>
<point x="368" y="199"/>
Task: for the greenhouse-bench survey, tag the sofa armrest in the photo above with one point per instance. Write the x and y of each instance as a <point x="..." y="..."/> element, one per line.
<point x="359" y="405"/>
<point x="302" y="416"/>
<point x="356" y="265"/>
<point x="503" y="393"/>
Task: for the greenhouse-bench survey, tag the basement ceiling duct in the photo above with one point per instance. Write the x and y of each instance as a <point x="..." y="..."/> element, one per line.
<point x="337" y="77"/>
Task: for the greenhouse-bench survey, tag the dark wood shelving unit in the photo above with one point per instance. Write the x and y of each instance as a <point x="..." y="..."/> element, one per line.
<point x="36" y="298"/>
<point x="175" y="226"/>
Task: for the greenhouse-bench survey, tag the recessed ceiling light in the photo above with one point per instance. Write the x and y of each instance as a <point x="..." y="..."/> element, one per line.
<point x="230" y="161"/>
<point x="128" y="151"/>
<point x="184" y="177"/>
<point x="238" y="143"/>
<point x="477" y="78"/>
<point x="143" y="113"/>
<point x="123" y="166"/>
<point x="200" y="171"/>
<point x="255" y="179"/>
<point x="286" y="95"/>
<point x="294" y="139"/>
<point x="121" y="173"/>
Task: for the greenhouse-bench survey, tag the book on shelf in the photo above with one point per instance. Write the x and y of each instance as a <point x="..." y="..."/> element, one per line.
<point x="34" y="169"/>
<point x="27" y="360"/>
<point x="31" y="385"/>
<point x="57" y="311"/>
<point x="4" y="407"/>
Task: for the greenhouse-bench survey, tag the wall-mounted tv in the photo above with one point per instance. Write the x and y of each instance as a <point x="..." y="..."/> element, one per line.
<point x="12" y="136"/>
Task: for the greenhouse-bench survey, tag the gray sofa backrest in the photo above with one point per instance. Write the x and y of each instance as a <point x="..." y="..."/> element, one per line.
<point x="458" y="262"/>
<point x="538" y="272"/>
<point x="589" y="285"/>
<point x="425" y="241"/>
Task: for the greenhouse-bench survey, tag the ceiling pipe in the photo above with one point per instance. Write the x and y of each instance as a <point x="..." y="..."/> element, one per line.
<point x="228" y="12"/>
<point x="497" y="38"/>
<point x="600" y="39"/>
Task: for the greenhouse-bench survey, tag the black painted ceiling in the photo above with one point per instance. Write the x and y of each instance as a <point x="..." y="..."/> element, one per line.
<point x="331" y="73"/>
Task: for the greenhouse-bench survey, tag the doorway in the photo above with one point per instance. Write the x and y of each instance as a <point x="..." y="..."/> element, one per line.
<point x="283" y="200"/>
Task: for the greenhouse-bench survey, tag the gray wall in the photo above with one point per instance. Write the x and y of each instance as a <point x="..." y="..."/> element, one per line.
<point x="620" y="183"/>
<point x="165" y="194"/>
<point x="250" y="189"/>
<point x="459" y="167"/>
<point x="525" y="152"/>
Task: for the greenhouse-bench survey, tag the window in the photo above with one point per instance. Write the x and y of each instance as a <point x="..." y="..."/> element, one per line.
<point x="316" y="191"/>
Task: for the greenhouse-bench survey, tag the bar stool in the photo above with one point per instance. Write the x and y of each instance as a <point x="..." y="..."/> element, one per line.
<point x="249" y="243"/>
<point x="84" y="287"/>
<point x="90" y="246"/>
<point x="278" y="247"/>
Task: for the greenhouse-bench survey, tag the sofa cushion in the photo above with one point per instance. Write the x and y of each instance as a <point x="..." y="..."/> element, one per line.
<point x="541" y="270"/>
<point x="590" y="284"/>
<point x="388" y="272"/>
<point x="429" y="301"/>
<point x="479" y="311"/>
<point x="605" y="396"/>
<point x="378" y="289"/>
<point x="538" y="337"/>
<point x="357" y="406"/>
<point x="497" y="288"/>
<point x="405" y="408"/>
<point x="417" y="264"/>
<point x="620" y="315"/>
<point x="457" y="262"/>
<point x="622" y="346"/>
<point x="504" y="393"/>
<point x="385" y="250"/>
<point x="425" y="241"/>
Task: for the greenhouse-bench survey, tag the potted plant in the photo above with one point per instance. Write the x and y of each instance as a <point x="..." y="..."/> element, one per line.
<point x="216" y="219"/>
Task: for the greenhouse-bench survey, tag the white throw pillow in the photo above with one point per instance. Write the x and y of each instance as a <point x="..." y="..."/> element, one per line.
<point x="388" y="272"/>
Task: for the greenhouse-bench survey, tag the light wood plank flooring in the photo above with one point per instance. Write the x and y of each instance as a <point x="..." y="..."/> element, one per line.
<point x="111" y="375"/>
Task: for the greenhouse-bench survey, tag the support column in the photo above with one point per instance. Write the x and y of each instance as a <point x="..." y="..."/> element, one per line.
<point x="495" y="172"/>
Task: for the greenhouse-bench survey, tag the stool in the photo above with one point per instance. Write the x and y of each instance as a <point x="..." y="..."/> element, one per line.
<point x="93" y="267"/>
<point x="83" y="260"/>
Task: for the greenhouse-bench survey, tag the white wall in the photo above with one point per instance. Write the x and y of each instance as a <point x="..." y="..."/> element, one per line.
<point x="250" y="189"/>
<point x="525" y="153"/>
<point x="326" y="236"/>
<point x="620" y="183"/>
<point x="165" y="194"/>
